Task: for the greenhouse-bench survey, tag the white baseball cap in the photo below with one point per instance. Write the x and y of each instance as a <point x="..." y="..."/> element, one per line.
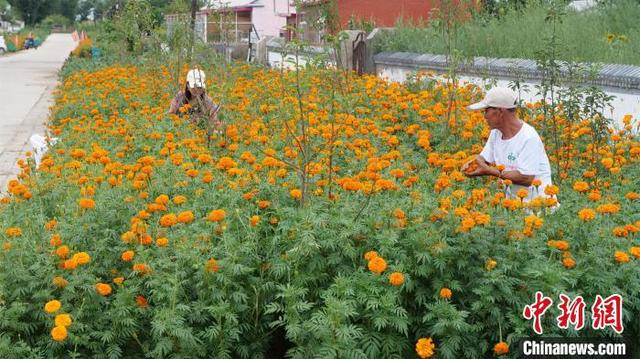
<point x="501" y="97"/>
<point x="196" y="78"/>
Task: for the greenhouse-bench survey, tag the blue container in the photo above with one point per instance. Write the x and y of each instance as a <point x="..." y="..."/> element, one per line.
<point x="95" y="52"/>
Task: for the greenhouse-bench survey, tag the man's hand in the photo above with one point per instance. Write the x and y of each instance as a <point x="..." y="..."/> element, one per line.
<point x="479" y="167"/>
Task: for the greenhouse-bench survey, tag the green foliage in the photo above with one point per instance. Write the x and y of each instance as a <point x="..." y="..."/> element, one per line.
<point x="511" y="35"/>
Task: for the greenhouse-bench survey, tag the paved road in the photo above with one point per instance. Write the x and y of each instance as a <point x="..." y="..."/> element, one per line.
<point x="27" y="80"/>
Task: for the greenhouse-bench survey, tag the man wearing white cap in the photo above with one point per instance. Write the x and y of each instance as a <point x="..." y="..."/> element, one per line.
<point x="201" y="107"/>
<point x="513" y="144"/>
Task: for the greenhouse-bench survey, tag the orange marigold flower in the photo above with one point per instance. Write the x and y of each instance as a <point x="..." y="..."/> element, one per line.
<point x="522" y="193"/>
<point x="13" y="232"/>
<point x="59" y="333"/>
<point x="635" y="251"/>
<point x="63" y="320"/>
<point x="264" y="204"/>
<point x="536" y="182"/>
<point x="377" y="265"/>
<point x="168" y="220"/>
<point x="501" y="348"/>
<point x="632" y="196"/>
<point x="581" y="186"/>
<point x="212" y="266"/>
<point x="425" y="348"/>
<point x="60" y="282"/>
<point x="127" y="256"/>
<point x="621" y="257"/>
<point x="216" y="215"/>
<point x="70" y="264"/>
<point x="52" y="306"/>
<point x="445" y="293"/>
<point x="551" y="190"/>
<point x="587" y="214"/>
<point x="179" y="199"/>
<point x="87" y="203"/>
<point x="141" y="301"/>
<point x="55" y="240"/>
<point x="396" y="278"/>
<point x="162" y="242"/>
<point x="62" y="251"/>
<point x="51" y="225"/>
<point x="489" y="264"/>
<point x="296" y="193"/>
<point x="82" y="258"/>
<point x="254" y="220"/>
<point x="118" y="280"/>
<point x="370" y="255"/>
<point x="141" y="268"/>
<point x="103" y="289"/>
<point x="185" y="217"/>
<point x="568" y="262"/>
<point x="594" y="196"/>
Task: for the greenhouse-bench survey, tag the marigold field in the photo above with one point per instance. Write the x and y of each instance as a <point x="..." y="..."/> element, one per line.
<point x="330" y="219"/>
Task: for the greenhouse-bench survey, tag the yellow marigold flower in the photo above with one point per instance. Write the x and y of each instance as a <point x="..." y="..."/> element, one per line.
<point x="489" y="264"/>
<point x="168" y="220"/>
<point x="445" y="293"/>
<point x="587" y="214"/>
<point x="59" y="333"/>
<point x="254" y="220"/>
<point x="377" y="265"/>
<point x="103" y="289"/>
<point x="118" y="280"/>
<point x="127" y="256"/>
<point x="216" y="215"/>
<point x="396" y="278"/>
<point x="501" y="348"/>
<point x="425" y="348"/>
<point x="621" y="257"/>
<point x="52" y="306"/>
<point x="185" y="217"/>
<point x="82" y="258"/>
<point x="60" y="282"/>
<point x="370" y="255"/>
<point x="162" y="242"/>
<point x="568" y="262"/>
<point x="87" y="203"/>
<point x="63" y="320"/>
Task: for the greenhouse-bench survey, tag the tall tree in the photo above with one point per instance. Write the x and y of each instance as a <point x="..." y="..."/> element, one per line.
<point x="31" y="11"/>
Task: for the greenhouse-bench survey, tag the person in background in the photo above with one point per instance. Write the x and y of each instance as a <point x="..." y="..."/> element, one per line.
<point x="195" y="103"/>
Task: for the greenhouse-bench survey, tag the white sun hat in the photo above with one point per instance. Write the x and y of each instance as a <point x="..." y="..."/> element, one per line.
<point x="196" y="78"/>
<point x="501" y="97"/>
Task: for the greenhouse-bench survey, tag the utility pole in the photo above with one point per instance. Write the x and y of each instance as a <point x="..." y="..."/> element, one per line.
<point x="194" y="8"/>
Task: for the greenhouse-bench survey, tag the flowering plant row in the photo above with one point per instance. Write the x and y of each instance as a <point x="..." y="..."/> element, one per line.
<point x="329" y="219"/>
